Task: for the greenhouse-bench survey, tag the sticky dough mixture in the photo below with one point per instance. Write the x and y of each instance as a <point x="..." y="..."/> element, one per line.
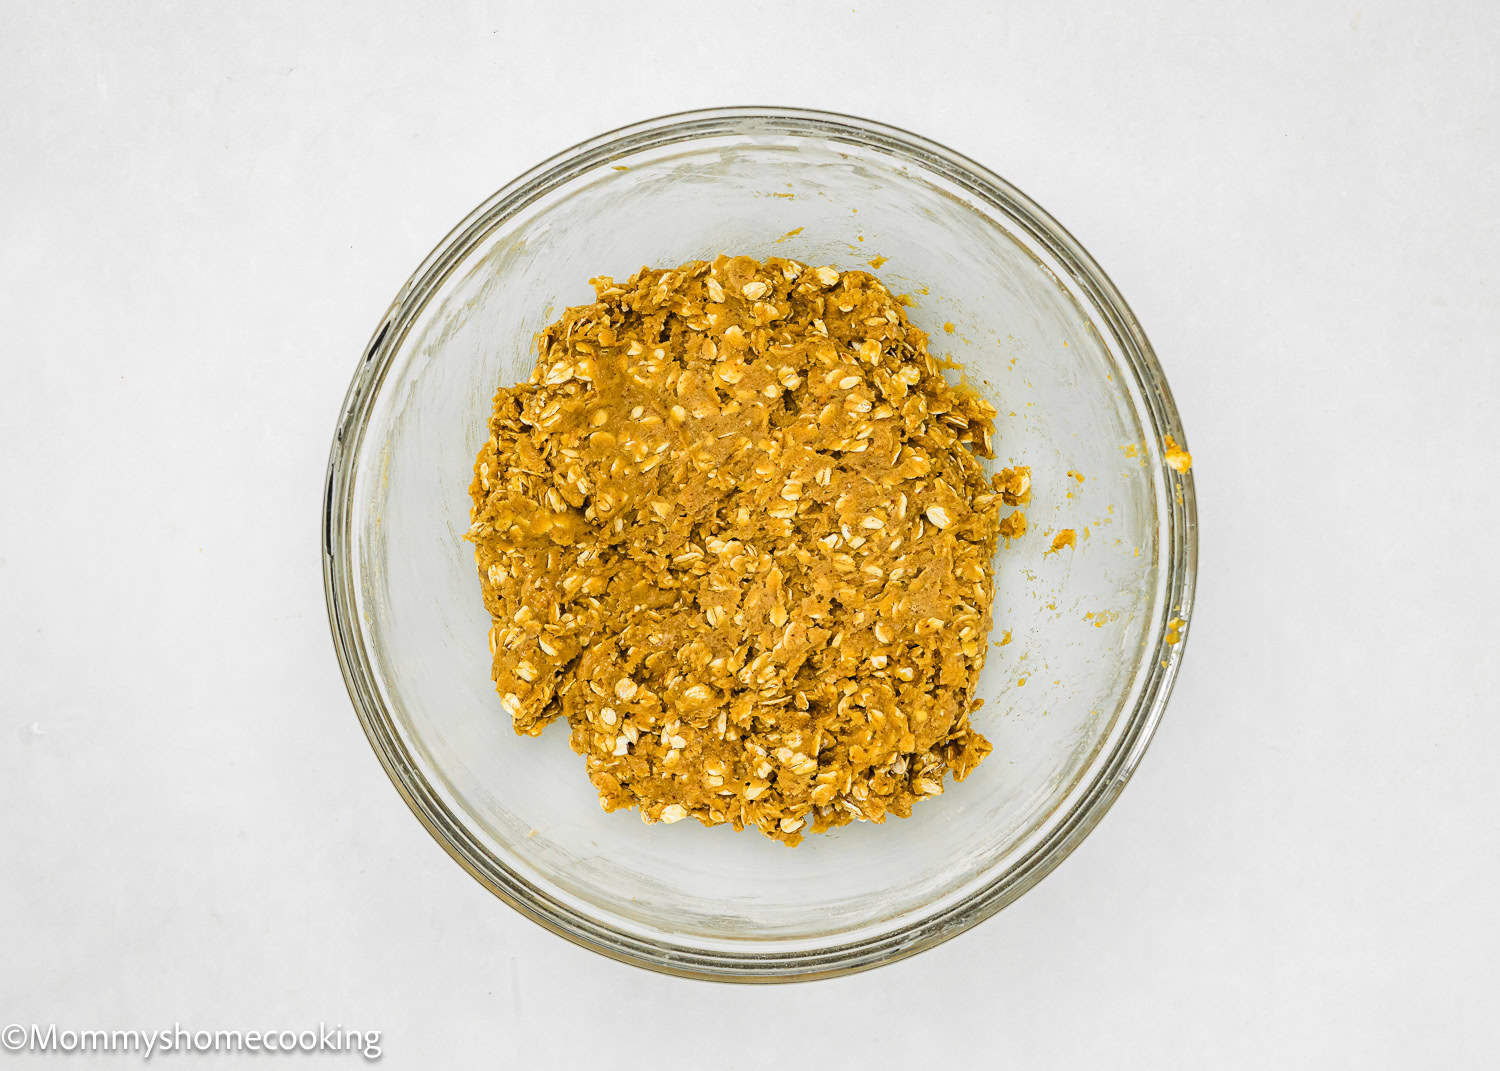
<point x="734" y="529"/>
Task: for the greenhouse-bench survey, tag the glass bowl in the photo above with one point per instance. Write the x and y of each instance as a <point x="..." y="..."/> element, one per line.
<point x="1071" y="699"/>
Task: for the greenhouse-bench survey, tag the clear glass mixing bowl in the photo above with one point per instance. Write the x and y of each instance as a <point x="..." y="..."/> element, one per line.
<point x="1070" y="701"/>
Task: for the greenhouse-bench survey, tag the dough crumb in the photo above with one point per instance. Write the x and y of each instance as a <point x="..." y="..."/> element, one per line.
<point x="1014" y="526"/>
<point x="1178" y="459"/>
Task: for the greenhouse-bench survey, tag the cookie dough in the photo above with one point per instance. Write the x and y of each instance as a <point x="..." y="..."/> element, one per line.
<point x="734" y="529"/>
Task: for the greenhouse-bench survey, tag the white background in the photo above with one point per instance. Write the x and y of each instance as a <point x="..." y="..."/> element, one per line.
<point x="205" y="208"/>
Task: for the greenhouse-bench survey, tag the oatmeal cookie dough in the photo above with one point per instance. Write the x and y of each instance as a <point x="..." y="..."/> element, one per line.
<point x="735" y="530"/>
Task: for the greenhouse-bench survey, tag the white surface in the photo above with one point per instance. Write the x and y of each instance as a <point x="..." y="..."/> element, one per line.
<point x="203" y="211"/>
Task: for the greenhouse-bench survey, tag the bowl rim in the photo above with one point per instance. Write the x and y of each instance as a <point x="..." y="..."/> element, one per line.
<point x="1179" y="536"/>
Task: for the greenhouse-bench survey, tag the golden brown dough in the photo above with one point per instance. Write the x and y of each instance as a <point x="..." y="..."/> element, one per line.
<point x="734" y="529"/>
